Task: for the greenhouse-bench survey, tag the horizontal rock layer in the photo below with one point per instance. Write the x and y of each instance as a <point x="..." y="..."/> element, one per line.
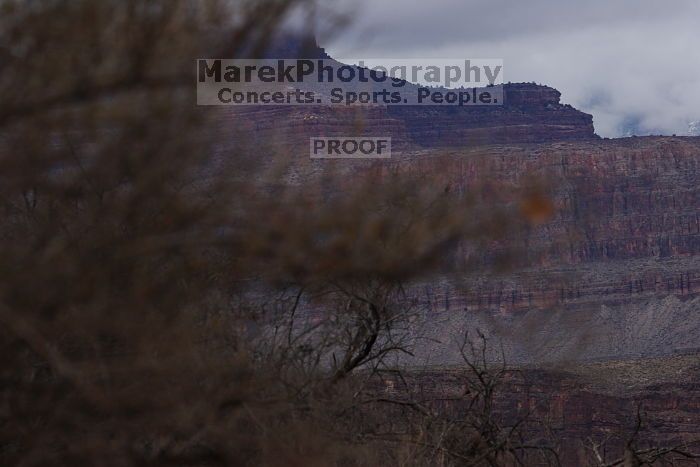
<point x="531" y="114"/>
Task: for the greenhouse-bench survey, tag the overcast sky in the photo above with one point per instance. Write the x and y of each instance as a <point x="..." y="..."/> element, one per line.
<point x="633" y="64"/>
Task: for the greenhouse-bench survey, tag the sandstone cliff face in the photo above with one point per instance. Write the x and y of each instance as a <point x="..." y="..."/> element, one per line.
<point x="614" y="273"/>
<point x="531" y="114"/>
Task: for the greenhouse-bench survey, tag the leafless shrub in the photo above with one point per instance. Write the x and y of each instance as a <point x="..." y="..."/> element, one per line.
<point x="632" y="451"/>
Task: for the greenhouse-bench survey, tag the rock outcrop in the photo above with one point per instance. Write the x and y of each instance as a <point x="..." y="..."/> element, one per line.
<point x="530" y="113"/>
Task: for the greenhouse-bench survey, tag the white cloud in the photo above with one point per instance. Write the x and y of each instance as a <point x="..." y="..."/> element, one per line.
<point x="633" y="64"/>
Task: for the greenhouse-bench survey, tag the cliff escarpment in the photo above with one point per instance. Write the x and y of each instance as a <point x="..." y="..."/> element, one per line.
<point x="613" y="273"/>
<point x="531" y="114"/>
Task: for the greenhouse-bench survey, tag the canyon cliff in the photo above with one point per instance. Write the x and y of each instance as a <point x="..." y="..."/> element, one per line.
<point x="530" y="113"/>
<point x="612" y="278"/>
